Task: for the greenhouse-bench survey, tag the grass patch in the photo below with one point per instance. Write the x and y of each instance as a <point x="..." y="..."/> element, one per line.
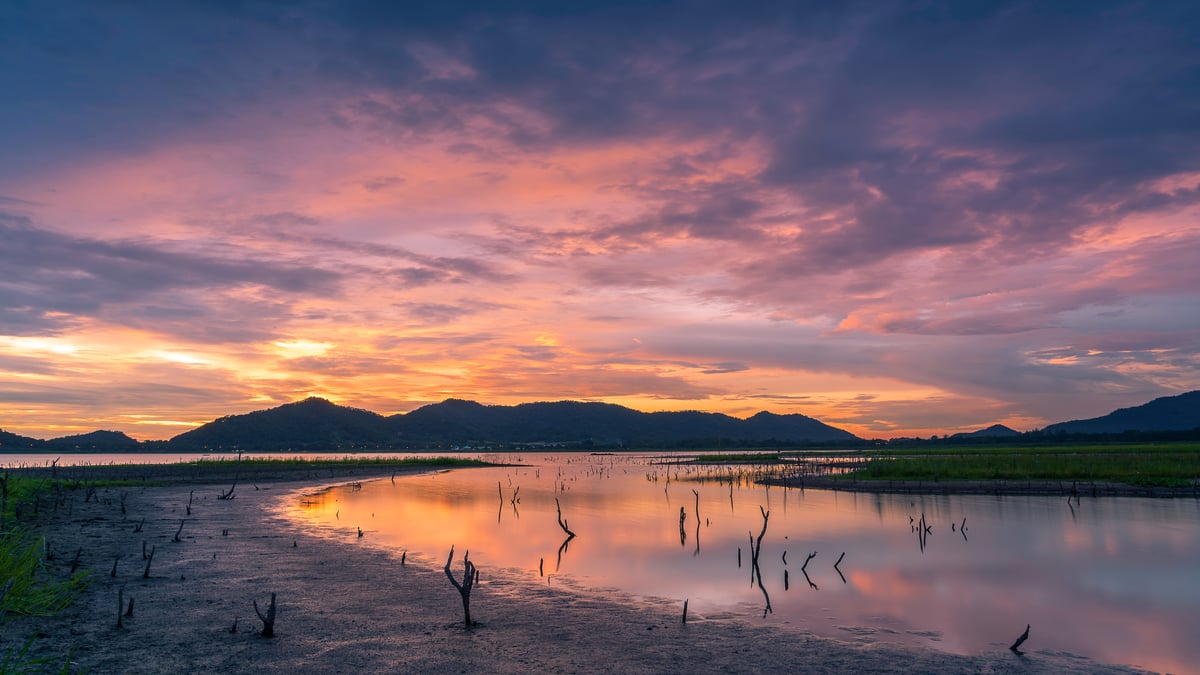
<point x="31" y="593"/>
<point x="292" y="462"/>
<point x="739" y="458"/>
<point x="1093" y="449"/>
<point x="1165" y="465"/>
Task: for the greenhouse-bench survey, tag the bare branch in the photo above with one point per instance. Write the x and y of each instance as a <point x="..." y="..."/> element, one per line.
<point x="268" y="619"/>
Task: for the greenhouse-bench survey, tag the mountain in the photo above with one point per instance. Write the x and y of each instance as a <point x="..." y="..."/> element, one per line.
<point x="994" y="431"/>
<point x="10" y="442"/>
<point x="460" y="421"/>
<point x="95" y="440"/>
<point x="312" y="423"/>
<point x="766" y="425"/>
<point x="1169" y="413"/>
<point x="318" y="424"/>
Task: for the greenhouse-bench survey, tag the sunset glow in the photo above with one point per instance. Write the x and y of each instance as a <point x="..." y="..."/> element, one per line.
<point x="899" y="220"/>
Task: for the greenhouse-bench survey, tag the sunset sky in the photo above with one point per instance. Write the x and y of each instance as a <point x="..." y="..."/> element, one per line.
<point x="902" y="218"/>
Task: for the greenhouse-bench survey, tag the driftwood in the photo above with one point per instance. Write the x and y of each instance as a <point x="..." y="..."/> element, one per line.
<point x="685" y="603"/>
<point x="682" y="532"/>
<point x="149" y="559"/>
<point x="176" y="538"/>
<point x="113" y="573"/>
<point x="237" y="472"/>
<point x="1024" y="636"/>
<point x="268" y="619"/>
<point x="839" y="569"/>
<point x="756" y="545"/>
<point x="562" y="523"/>
<point x="566" y="542"/>
<point x="755" y="550"/>
<point x="120" y="605"/>
<point x="470" y="576"/>
<point x="191" y="495"/>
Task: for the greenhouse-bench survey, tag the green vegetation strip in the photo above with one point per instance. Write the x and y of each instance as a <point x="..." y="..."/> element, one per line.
<point x="740" y="458"/>
<point x="31" y="593"/>
<point x="1168" y="465"/>
<point x="294" y="462"/>
<point x="1093" y="449"/>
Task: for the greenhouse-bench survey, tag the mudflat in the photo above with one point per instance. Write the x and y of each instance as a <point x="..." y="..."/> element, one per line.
<point x="345" y="606"/>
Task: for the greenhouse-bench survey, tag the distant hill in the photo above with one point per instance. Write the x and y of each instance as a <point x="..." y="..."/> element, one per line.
<point x="317" y="423"/>
<point x="95" y="440"/>
<point x="460" y="421"/>
<point x="994" y="431"/>
<point x="312" y="423"/>
<point x="1169" y="413"/>
<point x="10" y="442"/>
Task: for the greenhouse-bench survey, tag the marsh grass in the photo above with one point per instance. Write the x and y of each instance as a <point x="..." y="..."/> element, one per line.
<point x="1165" y="465"/>
<point x="22" y="558"/>
<point x="737" y="458"/>
<point x="33" y="592"/>
<point x="292" y="462"/>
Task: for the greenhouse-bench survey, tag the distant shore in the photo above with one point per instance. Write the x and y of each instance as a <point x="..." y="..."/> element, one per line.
<point x="345" y="606"/>
<point x="987" y="487"/>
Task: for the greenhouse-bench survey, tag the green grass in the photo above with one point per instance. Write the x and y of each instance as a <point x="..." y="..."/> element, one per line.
<point x="1093" y="449"/>
<point x="31" y="592"/>
<point x="739" y="458"/>
<point x="1168" y="465"/>
<point x="343" y="461"/>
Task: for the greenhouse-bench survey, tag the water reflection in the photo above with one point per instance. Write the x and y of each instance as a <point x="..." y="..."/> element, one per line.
<point x="1111" y="579"/>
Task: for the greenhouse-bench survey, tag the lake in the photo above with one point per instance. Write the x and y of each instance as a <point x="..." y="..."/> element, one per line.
<point x="1112" y="579"/>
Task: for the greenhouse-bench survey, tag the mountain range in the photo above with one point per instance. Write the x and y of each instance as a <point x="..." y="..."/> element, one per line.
<point x="1169" y="413"/>
<point x="318" y="424"/>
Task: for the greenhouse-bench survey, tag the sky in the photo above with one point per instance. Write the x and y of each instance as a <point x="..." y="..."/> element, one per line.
<point x="901" y="218"/>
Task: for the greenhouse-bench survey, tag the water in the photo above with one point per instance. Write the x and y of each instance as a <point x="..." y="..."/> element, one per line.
<point x="1111" y="579"/>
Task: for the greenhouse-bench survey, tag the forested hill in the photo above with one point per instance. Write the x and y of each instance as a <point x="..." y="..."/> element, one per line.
<point x="311" y="423"/>
<point x="1169" y="413"/>
<point x="15" y="443"/>
<point x="316" y="422"/>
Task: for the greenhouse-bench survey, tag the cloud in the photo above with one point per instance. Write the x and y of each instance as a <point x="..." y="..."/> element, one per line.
<point x="53" y="279"/>
<point x="978" y="204"/>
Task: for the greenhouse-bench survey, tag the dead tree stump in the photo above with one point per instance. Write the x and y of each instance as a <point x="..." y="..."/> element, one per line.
<point x="149" y="559"/>
<point x="1015" y="647"/>
<point x="268" y="619"/>
<point x="470" y="576"/>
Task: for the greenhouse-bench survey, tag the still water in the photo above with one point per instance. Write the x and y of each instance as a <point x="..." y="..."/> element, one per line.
<point x="1111" y="579"/>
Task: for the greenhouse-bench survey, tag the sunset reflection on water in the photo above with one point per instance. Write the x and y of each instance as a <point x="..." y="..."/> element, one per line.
<point x="1114" y="581"/>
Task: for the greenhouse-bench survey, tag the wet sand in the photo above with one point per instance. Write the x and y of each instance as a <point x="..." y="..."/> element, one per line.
<point x="344" y="606"/>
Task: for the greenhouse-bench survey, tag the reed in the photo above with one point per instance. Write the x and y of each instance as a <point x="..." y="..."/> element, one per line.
<point x="1146" y="465"/>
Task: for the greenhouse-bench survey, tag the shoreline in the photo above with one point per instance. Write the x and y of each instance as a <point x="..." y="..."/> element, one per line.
<point x="345" y="606"/>
<point x="999" y="487"/>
